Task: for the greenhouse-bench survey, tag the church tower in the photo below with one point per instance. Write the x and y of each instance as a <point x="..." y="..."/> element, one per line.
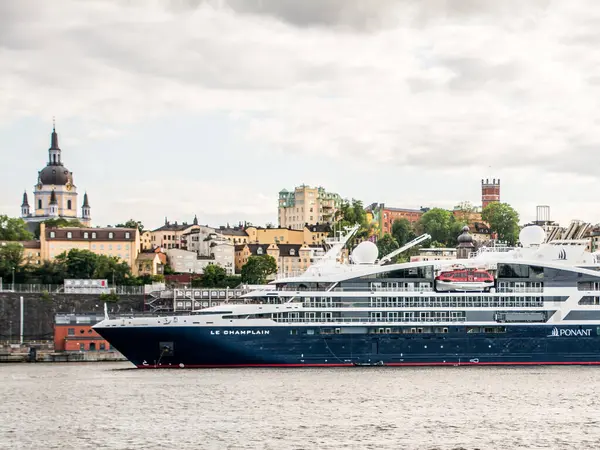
<point x="86" y="213"/>
<point x="55" y="194"/>
<point x="25" y="206"/>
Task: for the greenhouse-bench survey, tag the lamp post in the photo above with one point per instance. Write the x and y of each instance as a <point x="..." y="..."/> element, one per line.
<point x="13" y="279"/>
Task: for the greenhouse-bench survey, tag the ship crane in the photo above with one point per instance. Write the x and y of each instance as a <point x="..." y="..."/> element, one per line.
<point x="405" y="247"/>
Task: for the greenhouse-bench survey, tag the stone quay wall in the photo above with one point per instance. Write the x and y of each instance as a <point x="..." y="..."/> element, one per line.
<point x="39" y="312"/>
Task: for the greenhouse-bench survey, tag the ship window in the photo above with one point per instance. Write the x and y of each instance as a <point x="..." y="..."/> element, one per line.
<point x="513" y="271"/>
<point x="310" y="331"/>
<point x="294" y="332"/>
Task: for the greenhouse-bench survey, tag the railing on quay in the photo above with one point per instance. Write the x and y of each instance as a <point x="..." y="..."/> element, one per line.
<point x="60" y="289"/>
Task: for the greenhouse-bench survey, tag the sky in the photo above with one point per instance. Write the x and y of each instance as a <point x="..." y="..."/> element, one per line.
<point x="211" y="107"/>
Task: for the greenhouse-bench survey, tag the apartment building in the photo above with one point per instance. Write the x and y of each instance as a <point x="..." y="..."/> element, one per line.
<point x="306" y="205"/>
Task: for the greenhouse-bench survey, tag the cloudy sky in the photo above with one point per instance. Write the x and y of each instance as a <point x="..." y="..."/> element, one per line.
<point x="209" y="107"/>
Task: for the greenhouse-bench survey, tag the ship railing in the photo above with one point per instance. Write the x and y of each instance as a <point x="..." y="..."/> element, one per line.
<point x="388" y="289"/>
<point x="519" y="290"/>
<point x="504" y="303"/>
<point x="403" y="289"/>
<point x="369" y="320"/>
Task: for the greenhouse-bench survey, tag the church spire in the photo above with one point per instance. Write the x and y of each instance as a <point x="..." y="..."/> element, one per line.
<point x="54" y="150"/>
<point x="86" y="210"/>
<point x="195" y="219"/>
<point x="25" y="206"/>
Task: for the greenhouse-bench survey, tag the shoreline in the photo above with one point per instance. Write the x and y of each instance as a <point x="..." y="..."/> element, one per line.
<point x="61" y="357"/>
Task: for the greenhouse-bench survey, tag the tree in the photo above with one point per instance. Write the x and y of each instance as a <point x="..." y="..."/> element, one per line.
<point x="12" y="229"/>
<point x="466" y="213"/>
<point x="111" y="297"/>
<point x="402" y="231"/>
<point x="11" y="258"/>
<point x="80" y="264"/>
<point x="213" y="276"/>
<point x="503" y="220"/>
<point x="351" y="213"/>
<point x="84" y="264"/>
<point x="386" y="245"/>
<point x="258" y="268"/>
<point x="132" y="224"/>
<point x="441" y="225"/>
<point x="50" y="272"/>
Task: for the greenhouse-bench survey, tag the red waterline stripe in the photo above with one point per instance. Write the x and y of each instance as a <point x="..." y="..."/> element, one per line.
<point x="423" y="364"/>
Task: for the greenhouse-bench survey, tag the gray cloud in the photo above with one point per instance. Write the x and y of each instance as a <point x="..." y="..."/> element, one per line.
<point x="430" y="84"/>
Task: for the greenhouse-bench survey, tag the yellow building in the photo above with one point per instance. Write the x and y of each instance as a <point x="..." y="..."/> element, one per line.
<point x="31" y="251"/>
<point x="55" y="193"/>
<point x="234" y="235"/>
<point x="292" y="259"/>
<point x="124" y="243"/>
<point x="146" y="240"/>
<point x="306" y="205"/>
<point x="148" y="263"/>
<point x="310" y="234"/>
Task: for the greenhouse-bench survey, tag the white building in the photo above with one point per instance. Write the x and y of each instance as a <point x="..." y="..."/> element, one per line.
<point x="221" y="253"/>
<point x="434" y="254"/>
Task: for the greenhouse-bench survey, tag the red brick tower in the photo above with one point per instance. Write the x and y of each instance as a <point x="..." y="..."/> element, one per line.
<point x="490" y="192"/>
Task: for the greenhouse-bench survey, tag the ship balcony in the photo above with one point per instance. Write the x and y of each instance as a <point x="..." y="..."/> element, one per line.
<point x="368" y="321"/>
<point x="398" y="289"/>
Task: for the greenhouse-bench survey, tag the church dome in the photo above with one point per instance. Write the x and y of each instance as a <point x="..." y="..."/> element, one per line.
<point x="465" y="237"/>
<point x="57" y="175"/>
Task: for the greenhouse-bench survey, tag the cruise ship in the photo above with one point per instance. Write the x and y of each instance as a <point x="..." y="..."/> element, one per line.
<point x="535" y="304"/>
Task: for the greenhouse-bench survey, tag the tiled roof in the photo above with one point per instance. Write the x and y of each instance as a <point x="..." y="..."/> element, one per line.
<point x="232" y="231"/>
<point x="77" y="234"/>
<point x="25" y="244"/>
<point x="146" y="256"/>
<point x="174" y="227"/>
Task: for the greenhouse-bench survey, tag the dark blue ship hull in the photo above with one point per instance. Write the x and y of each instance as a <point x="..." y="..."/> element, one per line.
<point x="187" y="347"/>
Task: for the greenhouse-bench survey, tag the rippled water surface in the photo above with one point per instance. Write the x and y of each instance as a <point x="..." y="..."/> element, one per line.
<point x="109" y="406"/>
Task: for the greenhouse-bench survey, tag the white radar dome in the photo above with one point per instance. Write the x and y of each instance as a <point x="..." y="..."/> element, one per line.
<point x="532" y="235"/>
<point x="365" y="253"/>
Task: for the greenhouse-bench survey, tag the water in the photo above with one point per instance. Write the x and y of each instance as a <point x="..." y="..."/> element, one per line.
<point x="109" y="406"/>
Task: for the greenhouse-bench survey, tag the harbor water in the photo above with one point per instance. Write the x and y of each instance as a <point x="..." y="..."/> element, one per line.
<point x="110" y="406"/>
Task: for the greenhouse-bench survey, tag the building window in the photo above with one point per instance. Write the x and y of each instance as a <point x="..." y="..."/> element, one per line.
<point x="85" y="235"/>
<point x="69" y="235"/>
<point x="68" y="204"/>
<point x="259" y="251"/>
<point x="71" y="331"/>
<point x="52" y="234"/>
<point x="127" y="235"/>
<point x="39" y="204"/>
<point x="110" y="235"/>
<point x="93" y="235"/>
